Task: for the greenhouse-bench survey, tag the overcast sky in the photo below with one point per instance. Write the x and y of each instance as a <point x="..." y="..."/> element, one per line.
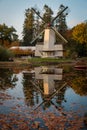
<point x="12" y="11"/>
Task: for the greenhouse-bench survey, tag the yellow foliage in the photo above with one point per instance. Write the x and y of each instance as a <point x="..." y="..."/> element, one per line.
<point x="80" y="33"/>
<point x="79" y="84"/>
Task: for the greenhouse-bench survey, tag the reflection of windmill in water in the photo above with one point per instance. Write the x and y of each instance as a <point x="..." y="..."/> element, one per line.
<point x="47" y="83"/>
<point x="49" y="48"/>
<point x="49" y="75"/>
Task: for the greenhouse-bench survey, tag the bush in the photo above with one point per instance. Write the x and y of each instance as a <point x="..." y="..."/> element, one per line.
<point x="5" y="54"/>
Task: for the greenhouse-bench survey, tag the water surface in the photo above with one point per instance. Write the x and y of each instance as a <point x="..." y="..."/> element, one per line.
<point x="46" y="97"/>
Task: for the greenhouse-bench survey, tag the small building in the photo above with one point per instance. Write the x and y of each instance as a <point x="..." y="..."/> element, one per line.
<point x="23" y="50"/>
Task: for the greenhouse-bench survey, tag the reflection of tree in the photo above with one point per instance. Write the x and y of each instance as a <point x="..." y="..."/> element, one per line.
<point x="79" y="84"/>
<point x="56" y="98"/>
<point x="30" y="94"/>
<point x="85" y="119"/>
<point x="60" y="96"/>
<point x="7" y="79"/>
<point x="77" y="79"/>
<point x="46" y="105"/>
<point x="31" y="88"/>
<point x="39" y="82"/>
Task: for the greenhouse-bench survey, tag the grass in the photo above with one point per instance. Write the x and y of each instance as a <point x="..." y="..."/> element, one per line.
<point x="48" y="61"/>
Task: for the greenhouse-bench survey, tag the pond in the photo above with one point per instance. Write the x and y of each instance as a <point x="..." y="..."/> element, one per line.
<point x="43" y="98"/>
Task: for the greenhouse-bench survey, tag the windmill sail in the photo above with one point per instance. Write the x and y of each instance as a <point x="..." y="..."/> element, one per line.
<point x="38" y="15"/>
<point x="59" y="35"/>
<point x="37" y="37"/>
<point x="59" y="14"/>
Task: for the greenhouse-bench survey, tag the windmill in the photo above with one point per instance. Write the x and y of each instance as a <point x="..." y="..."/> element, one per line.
<point x="49" y="49"/>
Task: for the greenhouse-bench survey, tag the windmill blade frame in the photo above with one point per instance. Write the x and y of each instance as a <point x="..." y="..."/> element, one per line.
<point x="59" y="34"/>
<point x="38" y="15"/>
<point x="59" y="14"/>
<point x="37" y="37"/>
<point x="51" y="27"/>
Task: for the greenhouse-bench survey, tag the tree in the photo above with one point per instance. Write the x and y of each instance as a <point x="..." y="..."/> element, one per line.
<point x="28" y="27"/>
<point x="80" y="33"/>
<point x="70" y="47"/>
<point x="7" y="34"/>
<point x="34" y="25"/>
<point x="80" y="36"/>
<point x="61" y="21"/>
<point x="47" y="16"/>
<point x="32" y="20"/>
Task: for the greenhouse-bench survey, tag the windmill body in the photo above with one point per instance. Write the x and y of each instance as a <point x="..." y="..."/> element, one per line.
<point x="49" y="39"/>
<point x="49" y="47"/>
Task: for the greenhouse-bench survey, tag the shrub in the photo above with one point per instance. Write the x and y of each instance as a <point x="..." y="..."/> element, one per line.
<point x="5" y="54"/>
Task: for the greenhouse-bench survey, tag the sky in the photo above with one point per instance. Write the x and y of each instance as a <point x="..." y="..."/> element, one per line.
<point x="12" y="12"/>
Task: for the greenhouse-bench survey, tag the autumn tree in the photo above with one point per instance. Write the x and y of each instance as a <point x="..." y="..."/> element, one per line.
<point x="28" y="27"/>
<point x="70" y="47"/>
<point x="7" y="34"/>
<point x="79" y="85"/>
<point x="80" y="36"/>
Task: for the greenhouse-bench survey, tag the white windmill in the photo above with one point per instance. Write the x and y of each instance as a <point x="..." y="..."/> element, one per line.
<point x="48" y="48"/>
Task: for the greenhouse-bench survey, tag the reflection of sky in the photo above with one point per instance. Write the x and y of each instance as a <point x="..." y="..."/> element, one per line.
<point x="16" y="93"/>
<point x="18" y="90"/>
<point x="73" y="99"/>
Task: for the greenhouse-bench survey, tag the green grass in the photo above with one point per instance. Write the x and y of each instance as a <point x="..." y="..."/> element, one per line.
<point x="47" y="61"/>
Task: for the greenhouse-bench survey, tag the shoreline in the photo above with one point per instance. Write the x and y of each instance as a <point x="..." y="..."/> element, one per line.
<point x="36" y="62"/>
